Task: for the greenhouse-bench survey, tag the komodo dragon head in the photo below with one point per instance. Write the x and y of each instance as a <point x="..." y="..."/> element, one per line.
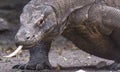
<point x="37" y="24"/>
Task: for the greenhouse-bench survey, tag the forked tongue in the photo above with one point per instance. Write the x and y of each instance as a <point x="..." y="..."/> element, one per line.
<point x="15" y="52"/>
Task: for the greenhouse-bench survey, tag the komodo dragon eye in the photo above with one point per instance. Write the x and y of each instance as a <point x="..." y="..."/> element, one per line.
<point x="40" y="22"/>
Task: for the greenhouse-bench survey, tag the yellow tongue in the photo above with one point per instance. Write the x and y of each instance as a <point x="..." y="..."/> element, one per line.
<point x="15" y="52"/>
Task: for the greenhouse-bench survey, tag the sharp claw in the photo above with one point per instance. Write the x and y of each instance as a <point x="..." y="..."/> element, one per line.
<point x="37" y="67"/>
<point x="48" y="66"/>
<point x="19" y="67"/>
<point x="25" y="68"/>
<point x="15" y="67"/>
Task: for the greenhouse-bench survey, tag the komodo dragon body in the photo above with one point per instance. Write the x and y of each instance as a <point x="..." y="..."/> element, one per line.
<point x="92" y="25"/>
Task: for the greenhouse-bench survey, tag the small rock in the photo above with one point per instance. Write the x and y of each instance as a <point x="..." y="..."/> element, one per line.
<point x="58" y="67"/>
<point x="3" y="25"/>
<point x="89" y="57"/>
<point x="80" y="71"/>
<point x="101" y="64"/>
<point x="65" y="59"/>
<point x="0" y="59"/>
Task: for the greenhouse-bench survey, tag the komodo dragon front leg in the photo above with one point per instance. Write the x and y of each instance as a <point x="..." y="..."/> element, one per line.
<point x="108" y="20"/>
<point x="38" y="57"/>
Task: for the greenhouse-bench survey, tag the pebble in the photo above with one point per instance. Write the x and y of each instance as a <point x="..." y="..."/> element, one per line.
<point x="80" y="71"/>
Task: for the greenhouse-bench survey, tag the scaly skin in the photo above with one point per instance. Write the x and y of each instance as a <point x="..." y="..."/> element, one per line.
<point x="91" y="25"/>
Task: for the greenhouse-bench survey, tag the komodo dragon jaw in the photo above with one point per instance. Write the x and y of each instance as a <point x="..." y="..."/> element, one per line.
<point x="35" y="25"/>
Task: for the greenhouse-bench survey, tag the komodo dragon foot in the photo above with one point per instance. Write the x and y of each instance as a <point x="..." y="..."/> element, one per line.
<point x="33" y="66"/>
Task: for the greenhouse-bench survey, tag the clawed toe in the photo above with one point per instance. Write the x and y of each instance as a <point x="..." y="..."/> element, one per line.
<point x="44" y="66"/>
<point x="20" y="66"/>
<point x="33" y="66"/>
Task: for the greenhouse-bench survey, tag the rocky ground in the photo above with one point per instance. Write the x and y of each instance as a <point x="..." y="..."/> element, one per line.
<point x="63" y="55"/>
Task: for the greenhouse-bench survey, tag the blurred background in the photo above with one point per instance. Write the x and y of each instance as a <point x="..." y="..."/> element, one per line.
<point x="10" y="11"/>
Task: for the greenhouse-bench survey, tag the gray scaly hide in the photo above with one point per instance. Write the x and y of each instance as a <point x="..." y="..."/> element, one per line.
<point x="62" y="7"/>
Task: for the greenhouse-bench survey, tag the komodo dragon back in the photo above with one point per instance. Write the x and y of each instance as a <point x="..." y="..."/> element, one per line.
<point x="62" y="7"/>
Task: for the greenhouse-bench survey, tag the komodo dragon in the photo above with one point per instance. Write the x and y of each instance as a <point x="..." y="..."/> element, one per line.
<point x="92" y="25"/>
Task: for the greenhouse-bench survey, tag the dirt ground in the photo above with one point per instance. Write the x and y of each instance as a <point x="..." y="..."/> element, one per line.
<point x="62" y="54"/>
